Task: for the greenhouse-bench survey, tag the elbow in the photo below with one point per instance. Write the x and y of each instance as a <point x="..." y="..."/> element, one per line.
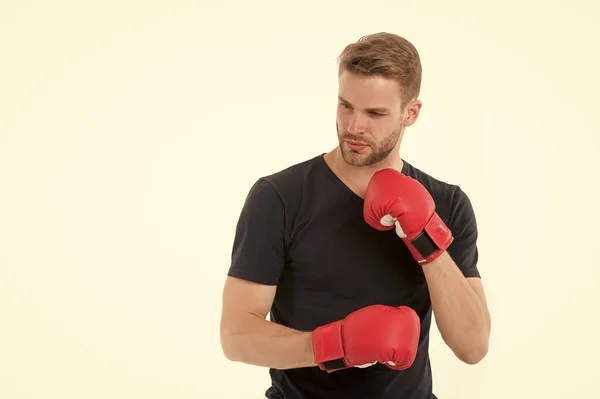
<point x="473" y="354"/>
<point x="228" y="346"/>
<point x="470" y="350"/>
<point x="234" y="339"/>
<point x="473" y="348"/>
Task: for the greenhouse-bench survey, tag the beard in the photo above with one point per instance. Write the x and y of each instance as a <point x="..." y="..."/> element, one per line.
<point x="378" y="151"/>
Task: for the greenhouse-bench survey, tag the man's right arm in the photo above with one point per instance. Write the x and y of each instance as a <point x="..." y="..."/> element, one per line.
<point x="246" y="335"/>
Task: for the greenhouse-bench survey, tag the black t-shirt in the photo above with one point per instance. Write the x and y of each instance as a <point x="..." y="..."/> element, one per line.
<point x="302" y="229"/>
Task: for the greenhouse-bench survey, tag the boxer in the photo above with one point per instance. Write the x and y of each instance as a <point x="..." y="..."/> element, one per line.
<point x="340" y="261"/>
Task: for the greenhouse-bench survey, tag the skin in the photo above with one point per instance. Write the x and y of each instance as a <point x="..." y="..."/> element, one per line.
<point x="370" y="111"/>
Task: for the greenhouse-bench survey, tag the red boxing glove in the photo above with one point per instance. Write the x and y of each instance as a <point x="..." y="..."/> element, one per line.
<point x="376" y="333"/>
<point x="395" y="199"/>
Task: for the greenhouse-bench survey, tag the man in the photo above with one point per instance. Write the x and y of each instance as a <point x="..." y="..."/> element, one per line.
<point x="351" y="251"/>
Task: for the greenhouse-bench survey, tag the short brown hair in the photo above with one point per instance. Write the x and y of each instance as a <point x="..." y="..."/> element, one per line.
<point x="388" y="55"/>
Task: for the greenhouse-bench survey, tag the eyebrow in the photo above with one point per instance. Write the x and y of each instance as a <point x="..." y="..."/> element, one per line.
<point x="376" y="109"/>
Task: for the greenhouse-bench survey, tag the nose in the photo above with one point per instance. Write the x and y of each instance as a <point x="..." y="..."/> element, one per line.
<point x="357" y="124"/>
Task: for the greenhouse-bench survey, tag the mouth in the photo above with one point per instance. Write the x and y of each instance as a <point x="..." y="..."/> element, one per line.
<point x="356" y="145"/>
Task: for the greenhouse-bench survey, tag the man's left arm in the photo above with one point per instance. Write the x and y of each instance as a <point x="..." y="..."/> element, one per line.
<point x="460" y="308"/>
<point x="448" y="255"/>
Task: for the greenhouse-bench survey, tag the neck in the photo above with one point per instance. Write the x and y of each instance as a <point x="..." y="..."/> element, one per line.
<point x="357" y="177"/>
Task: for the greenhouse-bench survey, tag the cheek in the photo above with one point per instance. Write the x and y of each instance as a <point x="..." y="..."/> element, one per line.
<point x="344" y="115"/>
<point x="380" y="131"/>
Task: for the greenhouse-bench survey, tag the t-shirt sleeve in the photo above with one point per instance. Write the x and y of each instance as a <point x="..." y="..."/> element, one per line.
<point x="258" y="253"/>
<point x="463" y="225"/>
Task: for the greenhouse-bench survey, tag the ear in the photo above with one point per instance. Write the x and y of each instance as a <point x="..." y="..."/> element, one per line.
<point x="411" y="114"/>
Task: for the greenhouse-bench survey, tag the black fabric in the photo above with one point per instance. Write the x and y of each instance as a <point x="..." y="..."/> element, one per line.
<point x="303" y="230"/>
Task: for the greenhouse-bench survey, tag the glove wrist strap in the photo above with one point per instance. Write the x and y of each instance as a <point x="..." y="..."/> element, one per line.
<point x="328" y="347"/>
<point x="435" y="238"/>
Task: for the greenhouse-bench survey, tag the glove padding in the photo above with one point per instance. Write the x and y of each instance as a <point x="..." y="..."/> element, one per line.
<point x="396" y="200"/>
<point x="376" y="333"/>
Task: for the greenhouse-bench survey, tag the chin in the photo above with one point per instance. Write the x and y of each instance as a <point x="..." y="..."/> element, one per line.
<point x="356" y="159"/>
<point x="367" y="158"/>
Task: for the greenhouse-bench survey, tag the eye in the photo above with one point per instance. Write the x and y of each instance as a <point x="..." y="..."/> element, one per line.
<point x="347" y="106"/>
<point x="376" y="114"/>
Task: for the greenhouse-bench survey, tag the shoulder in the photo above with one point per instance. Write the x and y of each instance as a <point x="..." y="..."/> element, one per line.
<point x="289" y="183"/>
<point x="267" y="217"/>
<point x="452" y="202"/>
<point x="290" y="176"/>
<point x="283" y="189"/>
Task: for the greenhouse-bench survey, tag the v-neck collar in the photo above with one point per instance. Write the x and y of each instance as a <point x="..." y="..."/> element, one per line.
<point x="343" y="185"/>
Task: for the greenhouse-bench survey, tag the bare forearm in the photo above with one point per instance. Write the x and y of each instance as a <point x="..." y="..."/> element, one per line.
<point x="460" y="313"/>
<point x="261" y="342"/>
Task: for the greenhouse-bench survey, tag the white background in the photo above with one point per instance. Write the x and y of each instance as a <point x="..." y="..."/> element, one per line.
<point x="131" y="131"/>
